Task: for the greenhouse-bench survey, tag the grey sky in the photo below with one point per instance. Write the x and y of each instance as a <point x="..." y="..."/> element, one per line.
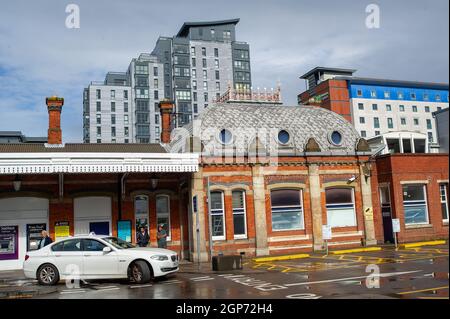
<point x="39" y="56"/>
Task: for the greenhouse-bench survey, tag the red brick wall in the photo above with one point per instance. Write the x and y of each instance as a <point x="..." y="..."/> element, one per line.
<point x="338" y="97"/>
<point x="398" y="168"/>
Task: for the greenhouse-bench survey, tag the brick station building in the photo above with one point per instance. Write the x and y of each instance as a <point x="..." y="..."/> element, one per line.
<point x="274" y="175"/>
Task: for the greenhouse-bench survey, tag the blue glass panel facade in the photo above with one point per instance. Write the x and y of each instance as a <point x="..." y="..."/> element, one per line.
<point x="398" y="93"/>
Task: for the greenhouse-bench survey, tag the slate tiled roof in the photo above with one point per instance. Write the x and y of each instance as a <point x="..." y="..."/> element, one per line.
<point x="245" y="119"/>
<point x="82" y="148"/>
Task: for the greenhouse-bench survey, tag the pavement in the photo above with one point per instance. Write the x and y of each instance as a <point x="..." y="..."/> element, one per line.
<point x="415" y="273"/>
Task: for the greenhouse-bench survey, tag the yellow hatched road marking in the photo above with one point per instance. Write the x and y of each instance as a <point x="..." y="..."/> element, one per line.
<point x="422" y="290"/>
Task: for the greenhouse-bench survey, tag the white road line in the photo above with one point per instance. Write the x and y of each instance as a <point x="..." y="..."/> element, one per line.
<point x="352" y="278"/>
<point x="200" y="277"/>
<point x="64" y="292"/>
<point x="108" y="289"/>
<point x="204" y="279"/>
<point x="171" y="282"/>
<point x="140" y="286"/>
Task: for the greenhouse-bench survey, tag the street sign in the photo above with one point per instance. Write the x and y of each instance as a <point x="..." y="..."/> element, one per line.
<point x="326" y="232"/>
<point x="396" y="225"/>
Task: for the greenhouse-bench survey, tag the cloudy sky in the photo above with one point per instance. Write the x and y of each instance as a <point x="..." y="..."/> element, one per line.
<point x="40" y="57"/>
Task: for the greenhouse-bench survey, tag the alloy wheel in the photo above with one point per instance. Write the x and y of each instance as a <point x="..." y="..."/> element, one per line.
<point x="47" y="274"/>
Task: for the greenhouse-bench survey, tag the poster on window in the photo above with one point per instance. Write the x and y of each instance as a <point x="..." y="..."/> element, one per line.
<point x="9" y="242"/>
<point x="62" y="230"/>
<point x="34" y="235"/>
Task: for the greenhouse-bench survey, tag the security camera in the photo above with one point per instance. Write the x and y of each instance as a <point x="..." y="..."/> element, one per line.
<point x="351" y="179"/>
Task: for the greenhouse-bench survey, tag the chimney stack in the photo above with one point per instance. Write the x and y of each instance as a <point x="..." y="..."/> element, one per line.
<point x="166" y="109"/>
<point x="54" y="106"/>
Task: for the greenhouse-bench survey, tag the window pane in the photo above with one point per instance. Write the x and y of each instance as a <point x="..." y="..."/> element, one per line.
<point x="415" y="214"/>
<point x="141" y="205"/>
<point x="287" y="220"/>
<point x="339" y="195"/>
<point x="340" y="207"/>
<point x="238" y="199"/>
<point x="162" y="205"/>
<point x="342" y="217"/>
<point x="239" y="224"/>
<point x="413" y="193"/>
<point x="217" y="225"/>
<point x="216" y="200"/>
<point x="285" y="197"/>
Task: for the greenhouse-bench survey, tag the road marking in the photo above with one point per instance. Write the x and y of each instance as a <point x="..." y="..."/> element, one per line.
<point x="108" y="289"/>
<point x="105" y="287"/>
<point x="140" y="286"/>
<point x="422" y="290"/>
<point x="200" y="277"/>
<point x="171" y="282"/>
<point x="351" y="278"/>
<point x="203" y="279"/>
<point x="72" y="291"/>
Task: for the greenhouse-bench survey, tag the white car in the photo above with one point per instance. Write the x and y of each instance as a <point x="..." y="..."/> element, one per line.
<point x="98" y="257"/>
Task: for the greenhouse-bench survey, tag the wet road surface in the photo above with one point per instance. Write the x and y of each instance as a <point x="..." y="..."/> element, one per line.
<point x="412" y="273"/>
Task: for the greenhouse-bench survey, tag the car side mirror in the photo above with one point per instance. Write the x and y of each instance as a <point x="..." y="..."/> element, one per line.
<point x="107" y="249"/>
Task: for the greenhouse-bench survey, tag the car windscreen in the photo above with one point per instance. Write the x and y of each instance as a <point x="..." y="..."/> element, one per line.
<point x="118" y="243"/>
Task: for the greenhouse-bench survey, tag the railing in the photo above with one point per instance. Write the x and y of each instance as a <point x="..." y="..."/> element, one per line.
<point x="258" y="96"/>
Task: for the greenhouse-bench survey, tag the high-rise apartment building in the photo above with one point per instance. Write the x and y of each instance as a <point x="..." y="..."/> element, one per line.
<point x="125" y="107"/>
<point x="200" y="62"/>
<point x="193" y="68"/>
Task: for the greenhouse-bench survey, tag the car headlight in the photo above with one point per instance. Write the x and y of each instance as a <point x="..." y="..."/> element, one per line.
<point x="160" y="257"/>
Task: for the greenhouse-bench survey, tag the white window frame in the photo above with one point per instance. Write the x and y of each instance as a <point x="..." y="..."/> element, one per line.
<point x="426" y="204"/>
<point x="169" y="238"/>
<point x="443" y="201"/>
<point x="302" y="210"/>
<point x="223" y="237"/>
<point x="242" y="211"/>
<point x="355" y="220"/>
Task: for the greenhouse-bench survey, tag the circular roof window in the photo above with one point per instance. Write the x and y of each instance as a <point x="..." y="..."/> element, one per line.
<point x="336" y="138"/>
<point x="283" y="137"/>
<point x="225" y="136"/>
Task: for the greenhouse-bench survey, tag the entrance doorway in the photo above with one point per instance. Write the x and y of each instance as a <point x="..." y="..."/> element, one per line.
<point x="92" y="214"/>
<point x="386" y="213"/>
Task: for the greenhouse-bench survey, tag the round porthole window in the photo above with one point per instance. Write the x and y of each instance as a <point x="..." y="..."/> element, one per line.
<point x="336" y="138"/>
<point x="283" y="137"/>
<point x="225" y="136"/>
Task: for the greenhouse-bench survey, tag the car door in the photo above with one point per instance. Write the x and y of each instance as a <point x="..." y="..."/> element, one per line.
<point x="96" y="262"/>
<point x="68" y="257"/>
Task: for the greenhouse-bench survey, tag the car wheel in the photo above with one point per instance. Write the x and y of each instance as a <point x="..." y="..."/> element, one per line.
<point x="140" y="272"/>
<point x="48" y="275"/>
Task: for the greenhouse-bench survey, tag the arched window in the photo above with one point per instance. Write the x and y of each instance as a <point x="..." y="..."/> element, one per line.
<point x="239" y="215"/>
<point x="141" y="212"/>
<point x="217" y="216"/>
<point x="287" y="209"/>
<point x="340" y="207"/>
<point x="163" y="212"/>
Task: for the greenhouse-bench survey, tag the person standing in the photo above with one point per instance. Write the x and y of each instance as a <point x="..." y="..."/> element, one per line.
<point x="45" y="240"/>
<point x="161" y="235"/>
<point x="142" y="237"/>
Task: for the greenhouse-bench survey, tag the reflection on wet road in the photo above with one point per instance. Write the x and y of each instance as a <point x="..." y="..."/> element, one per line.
<point x="412" y="273"/>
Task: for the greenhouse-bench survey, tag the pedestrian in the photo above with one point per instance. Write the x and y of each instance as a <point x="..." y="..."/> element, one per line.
<point x="143" y="237"/>
<point x="45" y="240"/>
<point x="161" y="236"/>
